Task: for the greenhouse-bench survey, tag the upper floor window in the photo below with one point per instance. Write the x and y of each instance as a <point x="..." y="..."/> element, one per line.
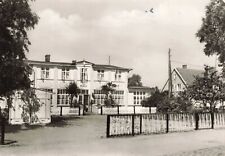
<point x="174" y="77"/>
<point x="65" y="73"/>
<point x="84" y="74"/>
<point x="44" y="72"/>
<point x="179" y="87"/>
<point x="118" y="75"/>
<point x="100" y="74"/>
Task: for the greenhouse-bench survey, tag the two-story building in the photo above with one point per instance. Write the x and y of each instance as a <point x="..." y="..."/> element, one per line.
<point x="55" y="76"/>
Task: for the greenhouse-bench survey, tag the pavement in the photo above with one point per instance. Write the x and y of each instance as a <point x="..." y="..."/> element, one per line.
<point x="85" y="135"/>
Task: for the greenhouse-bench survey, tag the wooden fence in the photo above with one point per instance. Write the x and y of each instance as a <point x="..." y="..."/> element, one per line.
<point x="133" y="124"/>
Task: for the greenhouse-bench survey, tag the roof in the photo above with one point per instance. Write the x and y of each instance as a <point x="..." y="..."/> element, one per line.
<point x="188" y="75"/>
<point x="95" y="66"/>
<point x="133" y="88"/>
<point x="101" y="66"/>
<point x="50" y="63"/>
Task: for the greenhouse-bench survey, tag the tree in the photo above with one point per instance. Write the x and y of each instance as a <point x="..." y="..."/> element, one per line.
<point x="158" y="99"/>
<point x="31" y="105"/>
<point x="213" y="29"/>
<point x="165" y="104"/>
<point x="134" y="80"/>
<point x="73" y="90"/>
<point x="108" y="90"/>
<point x="16" y="19"/>
<point x="154" y="99"/>
<point x="208" y="89"/>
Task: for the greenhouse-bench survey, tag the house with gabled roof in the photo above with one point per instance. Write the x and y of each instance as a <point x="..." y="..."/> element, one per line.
<point x="182" y="78"/>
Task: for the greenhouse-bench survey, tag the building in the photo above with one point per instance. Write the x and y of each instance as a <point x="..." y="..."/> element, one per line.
<point x="182" y="78"/>
<point x="55" y="76"/>
<point x="139" y="93"/>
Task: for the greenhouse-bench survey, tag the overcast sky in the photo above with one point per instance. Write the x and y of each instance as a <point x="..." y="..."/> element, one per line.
<point x="94" y="29"/>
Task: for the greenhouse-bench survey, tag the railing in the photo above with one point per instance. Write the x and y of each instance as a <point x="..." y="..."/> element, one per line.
<point x="133" y="124"/>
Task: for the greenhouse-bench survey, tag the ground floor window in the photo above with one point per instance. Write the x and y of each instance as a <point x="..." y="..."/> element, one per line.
<point x="99" y="97"/>
<point x="62" y="97"/>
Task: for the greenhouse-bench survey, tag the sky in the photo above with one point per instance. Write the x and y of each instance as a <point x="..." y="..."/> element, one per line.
<point x="96" y="29"/>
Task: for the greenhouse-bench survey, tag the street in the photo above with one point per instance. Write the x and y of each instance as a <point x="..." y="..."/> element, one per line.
<point x="85" y="135"/>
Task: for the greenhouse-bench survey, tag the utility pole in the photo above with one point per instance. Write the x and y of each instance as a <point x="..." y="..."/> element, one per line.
<point x="109" y="60"/>
<point x="170" y="85"/>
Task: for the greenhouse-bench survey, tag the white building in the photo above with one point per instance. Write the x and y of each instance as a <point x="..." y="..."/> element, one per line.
<point x="138" y="93"/>
<point x="55" y="76"/>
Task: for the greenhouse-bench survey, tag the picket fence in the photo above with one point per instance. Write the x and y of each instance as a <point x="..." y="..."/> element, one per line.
<point x="134" y="124"/>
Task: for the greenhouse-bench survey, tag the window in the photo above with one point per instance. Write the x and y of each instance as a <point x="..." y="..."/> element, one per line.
<point x="118" y="75"/>
<point x="44" y="73"/>
<point x="179" y="87"/>
<point x="99" y="97"/>
<point x="65" y="73"/>
<point x="100" y="74"/>
<point x="84" y="75"/>
<point x="62" y="97"/>
<point x="174" y="76"/>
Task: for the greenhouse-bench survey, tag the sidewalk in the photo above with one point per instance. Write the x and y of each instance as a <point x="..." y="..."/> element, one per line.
<point x="86" y="136"/>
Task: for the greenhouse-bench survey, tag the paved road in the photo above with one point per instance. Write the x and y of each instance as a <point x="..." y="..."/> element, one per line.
<point x="86" y="136"/>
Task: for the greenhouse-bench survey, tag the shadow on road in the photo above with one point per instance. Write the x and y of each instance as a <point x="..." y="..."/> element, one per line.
<point x="62" y="121"/>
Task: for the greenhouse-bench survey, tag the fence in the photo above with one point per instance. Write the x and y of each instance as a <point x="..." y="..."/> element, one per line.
<point x="132" y="124"/>
<point x="131" y="109"/>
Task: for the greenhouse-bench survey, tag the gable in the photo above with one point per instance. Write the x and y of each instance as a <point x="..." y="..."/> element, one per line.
<point x="188" y="75"/>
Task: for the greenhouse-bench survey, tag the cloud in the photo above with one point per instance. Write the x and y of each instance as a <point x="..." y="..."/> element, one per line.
<point x="93" y="30"/>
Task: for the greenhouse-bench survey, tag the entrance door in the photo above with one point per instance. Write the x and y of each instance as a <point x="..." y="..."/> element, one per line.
<point x="86" y="103"/>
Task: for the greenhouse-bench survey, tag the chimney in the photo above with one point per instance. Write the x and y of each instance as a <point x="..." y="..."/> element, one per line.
<point x="47" y="58"/>
<point x="74" y="62"/>
<point x="184" y="66"/>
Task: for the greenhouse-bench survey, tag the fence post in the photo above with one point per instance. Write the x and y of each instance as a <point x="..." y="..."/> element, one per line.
<point x="60" y="110"/>
<point x="79" y="111"/>
<point x="196" y="121"/>
<point x="140" y="124"/>
<point x="132" y="124"/>
<point x="212" y="120"/>
<point x="118" y="109"/>
<point x="134" y="110"/>
<point x="101" y="110"/>
<point x="3" y="131"/>
<point x="167" y="122"/>
<point x="108" y="126"/>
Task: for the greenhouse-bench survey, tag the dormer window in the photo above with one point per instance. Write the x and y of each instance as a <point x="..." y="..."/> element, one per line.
<point x="118" y="75"/>
<point x="100" y="74"/>
<point x="84" y="75"/>
<point x="44" y="73"/>
<point x="65" y="73"/>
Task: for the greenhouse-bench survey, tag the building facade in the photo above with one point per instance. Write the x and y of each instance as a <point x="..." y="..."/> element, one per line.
<point x="182" y="78"/>
<point x="138" y="93"/>
<point x="89" y="77"/>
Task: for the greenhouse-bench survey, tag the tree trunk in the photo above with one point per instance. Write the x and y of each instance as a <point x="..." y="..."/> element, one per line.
<point x="9" y="105"/>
